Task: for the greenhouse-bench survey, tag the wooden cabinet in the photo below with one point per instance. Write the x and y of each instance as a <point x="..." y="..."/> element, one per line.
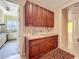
<point x="35" y="15"/>
<point x="50" y="16"/>
<point x="28" y="13"/>
<point x="44" y="19"/>
<point x="35" y="51"/>
<point x="41" y="46"/>
<point x="38" y="16"/>
<point x="34" y="48"/>
<point x="48" y="45"/>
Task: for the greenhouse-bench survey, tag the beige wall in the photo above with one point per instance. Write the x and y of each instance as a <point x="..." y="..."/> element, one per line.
<point x="21" y="26"/>
<point x="64" y="29"/>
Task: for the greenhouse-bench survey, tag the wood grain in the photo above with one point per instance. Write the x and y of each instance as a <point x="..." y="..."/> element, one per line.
<point x="38" y="16"/>
<point x="41" y="46"/>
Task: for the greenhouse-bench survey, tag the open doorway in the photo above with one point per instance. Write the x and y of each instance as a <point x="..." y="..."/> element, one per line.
<point x="71" y="22"/>
<point x="70" y="29"/>
<point x="9" y="29"/>
<point x="74" y="20"/>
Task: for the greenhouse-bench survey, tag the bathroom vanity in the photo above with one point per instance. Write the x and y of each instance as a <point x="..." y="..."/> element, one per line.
<point x="36" y="46"/>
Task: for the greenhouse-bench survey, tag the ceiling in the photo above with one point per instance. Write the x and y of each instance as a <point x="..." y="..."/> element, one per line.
<point x="50" y="3"/>
<point x="2" y="3"/>
<point x="74" y="8"/>
<point x="14" y="1"/>
<point x="5" y="4"/>
<point x="9" y="7"/>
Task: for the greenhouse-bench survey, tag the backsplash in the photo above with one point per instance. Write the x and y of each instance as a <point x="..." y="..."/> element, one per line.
<point x="38" y="30"/>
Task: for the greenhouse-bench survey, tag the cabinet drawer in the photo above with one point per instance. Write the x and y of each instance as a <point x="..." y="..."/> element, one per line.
<point x="35" y="42"/>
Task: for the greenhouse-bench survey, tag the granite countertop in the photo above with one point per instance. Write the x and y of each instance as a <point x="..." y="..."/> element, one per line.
<point x="35" y="32"/>
<point x="31" y="37"/>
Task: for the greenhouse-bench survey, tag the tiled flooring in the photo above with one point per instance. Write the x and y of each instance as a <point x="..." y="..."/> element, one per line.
<point x="10" y="48"/>
<point x="14" y="57"/>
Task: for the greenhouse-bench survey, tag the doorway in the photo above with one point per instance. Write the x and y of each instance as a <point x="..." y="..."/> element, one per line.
<point x="71" y="21"/>
<point x="70" y="29"/>
<point x="9" y="29"/>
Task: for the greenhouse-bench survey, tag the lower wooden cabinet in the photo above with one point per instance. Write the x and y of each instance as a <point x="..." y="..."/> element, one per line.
<point x="40" y="46"/>
<point x="34" y="51"/>
<point x="43" y="48"/>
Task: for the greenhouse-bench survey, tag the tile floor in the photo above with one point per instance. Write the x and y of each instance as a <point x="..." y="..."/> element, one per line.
<point x="17" y="56"/>
<point x="10" y="48"/>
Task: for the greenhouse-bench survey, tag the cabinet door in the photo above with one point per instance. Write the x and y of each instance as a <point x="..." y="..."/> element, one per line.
<point x="30" y="21"/>
<point x="28" y="17"/>
<point x="44" y="17"/>
<point x="50" y="19"/>
<point x="55" y="41"/>
<point x="26" y="13"/>
<point x="39" y="17"/>
<point x="35" y="51"/>
<point x="35" y="14"/>
<point x="48" y="45"/>
<point x="43" y="47"/>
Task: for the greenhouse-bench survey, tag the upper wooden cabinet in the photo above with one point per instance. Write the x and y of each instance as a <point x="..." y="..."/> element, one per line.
<point x="37" y="16"/>
<point x="29" y="14"/>
<point x="50" y="19"/>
